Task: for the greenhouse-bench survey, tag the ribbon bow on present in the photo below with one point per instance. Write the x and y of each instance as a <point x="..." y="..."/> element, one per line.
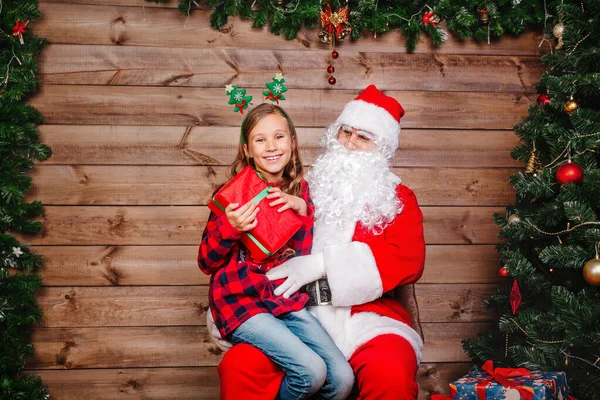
<point x="502" y="375"/>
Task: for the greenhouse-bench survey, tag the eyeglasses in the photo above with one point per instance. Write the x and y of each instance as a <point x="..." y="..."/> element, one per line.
<point x="363" y="136"/>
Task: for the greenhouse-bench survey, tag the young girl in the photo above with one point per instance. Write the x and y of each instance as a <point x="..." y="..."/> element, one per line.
<point x="242" y="302"/>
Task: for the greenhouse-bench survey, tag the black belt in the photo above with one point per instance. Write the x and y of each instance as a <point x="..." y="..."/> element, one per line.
<point x="318" y="292"/>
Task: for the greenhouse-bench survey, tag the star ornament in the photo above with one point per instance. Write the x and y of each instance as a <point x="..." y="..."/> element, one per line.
<point x="278" y="76"/>
<point x="229" y="88"/>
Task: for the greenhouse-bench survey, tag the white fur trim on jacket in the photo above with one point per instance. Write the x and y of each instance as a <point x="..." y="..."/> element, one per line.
<point x="371" y="118"/>
<point x="352" y="274"/>
<point x="350" y="332"/>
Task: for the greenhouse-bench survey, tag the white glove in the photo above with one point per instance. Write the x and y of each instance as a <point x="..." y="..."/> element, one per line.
<point x="299" y="271"/>
<point x="214" y="333"/>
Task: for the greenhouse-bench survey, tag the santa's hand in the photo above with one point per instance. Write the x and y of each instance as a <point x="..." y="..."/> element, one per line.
<point x="299" y="271"/>
<point x="214" y="333"/>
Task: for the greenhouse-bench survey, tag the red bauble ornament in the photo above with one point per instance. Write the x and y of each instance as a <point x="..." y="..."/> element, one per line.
<point x="330" y="69"/>
<point x="569" y="173"/>
<point x="335" y="54"/>
<point x="503" y="272"/>
<point x="331" y="80"/>
<point x="542" y="100"/>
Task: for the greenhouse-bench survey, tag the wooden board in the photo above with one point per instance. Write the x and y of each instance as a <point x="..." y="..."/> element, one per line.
<point x="175" y="346"/>
<point x="186" y="305"/>
<point x="252" y="68"/>
<point x="189" y="383"/>
<point x="71" y="104"/>
<point x="179" y="145"/>
<point x="177" y="225"/>
<point x="176" y="265"/>
<point x="113" y="22"/>
<point x="163" y="185"/>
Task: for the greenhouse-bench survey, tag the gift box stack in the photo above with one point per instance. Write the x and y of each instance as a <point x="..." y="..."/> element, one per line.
<point x="510" y="384"/>
<point x="274" y="228"/>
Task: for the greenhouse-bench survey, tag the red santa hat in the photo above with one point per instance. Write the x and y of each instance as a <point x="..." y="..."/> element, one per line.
<point x="374" y="112"/>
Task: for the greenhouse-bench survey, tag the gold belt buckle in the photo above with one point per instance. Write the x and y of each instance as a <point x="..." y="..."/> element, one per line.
<point x="318" y="290"/>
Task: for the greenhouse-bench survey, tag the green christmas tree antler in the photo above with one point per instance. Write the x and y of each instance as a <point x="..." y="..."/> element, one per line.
<point x="238" y="98"/>
<point x="276" y="89"/>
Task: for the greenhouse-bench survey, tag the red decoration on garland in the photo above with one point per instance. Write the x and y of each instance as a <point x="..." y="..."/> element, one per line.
<point x="19" y="29"/>
<point x="569" y="173"/>
<point x="334" y="27"/>
<point x="335" y="22"/>
<point x="515" y="298"/>
<point x="429" y="18"/>
<point x="542" y="100"/>
<point x="503" y="272"/>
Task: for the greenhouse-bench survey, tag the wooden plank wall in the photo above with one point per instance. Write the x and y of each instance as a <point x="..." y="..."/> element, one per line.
<point x="134" y="106"/>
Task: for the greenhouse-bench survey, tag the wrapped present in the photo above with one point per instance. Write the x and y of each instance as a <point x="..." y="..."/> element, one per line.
<point x="274" y="228"/>
<point x="510" y="384"/>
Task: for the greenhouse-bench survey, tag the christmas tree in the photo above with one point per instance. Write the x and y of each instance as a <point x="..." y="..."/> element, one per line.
<point x="550" y="306"/>
<point x="19" y="147"/>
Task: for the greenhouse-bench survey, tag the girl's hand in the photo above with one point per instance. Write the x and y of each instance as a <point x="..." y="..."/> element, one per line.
<point x="244" y="218"/>
<point x="292" y="202"/>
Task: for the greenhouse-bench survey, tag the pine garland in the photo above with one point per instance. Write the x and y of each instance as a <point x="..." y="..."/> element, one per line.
<point x="19" y="147"/>
<point x="553" y="229"/>
<point x="482" y="20"/>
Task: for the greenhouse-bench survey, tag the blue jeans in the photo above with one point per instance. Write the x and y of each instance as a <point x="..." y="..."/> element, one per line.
<point x="298" y="343"/>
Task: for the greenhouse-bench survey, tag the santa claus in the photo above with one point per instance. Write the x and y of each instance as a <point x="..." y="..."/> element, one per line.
<point x="368" y="240"/>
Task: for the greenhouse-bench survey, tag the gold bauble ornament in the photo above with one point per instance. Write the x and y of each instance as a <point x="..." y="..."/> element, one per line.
<point x="591" y="271"/>
<point x="571" y="105"/>
<point x="513" y="219"/>
<point x="558" y="31"/>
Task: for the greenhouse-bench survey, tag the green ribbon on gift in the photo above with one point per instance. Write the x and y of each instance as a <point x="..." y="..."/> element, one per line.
<point x="256" y="199"/>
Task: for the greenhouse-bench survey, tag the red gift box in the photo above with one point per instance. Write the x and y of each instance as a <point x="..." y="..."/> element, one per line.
<point x="274" y="228"/>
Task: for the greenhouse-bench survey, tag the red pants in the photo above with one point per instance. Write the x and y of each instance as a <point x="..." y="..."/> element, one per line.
<point x="385" y="369"/>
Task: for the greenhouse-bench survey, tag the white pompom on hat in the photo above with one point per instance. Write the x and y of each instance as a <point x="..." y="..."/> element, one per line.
<point x="374" y="112"/>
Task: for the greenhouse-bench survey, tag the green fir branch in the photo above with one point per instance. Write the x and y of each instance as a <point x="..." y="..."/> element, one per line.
<point x="19" y="147"/>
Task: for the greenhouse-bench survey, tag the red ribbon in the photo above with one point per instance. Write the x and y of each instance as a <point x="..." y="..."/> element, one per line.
<point x="272" y="96"/>
<point x="19" y="29"/>
<point x="241" y="106"/>
<point x="430" y="18"/>
<point x="501" y="376"/>
<point x="337" y="23"/>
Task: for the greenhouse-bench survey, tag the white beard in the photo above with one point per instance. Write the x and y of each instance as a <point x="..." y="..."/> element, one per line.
<point x="353" y="186"/>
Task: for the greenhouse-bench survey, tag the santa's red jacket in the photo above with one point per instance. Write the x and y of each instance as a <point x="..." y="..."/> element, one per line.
<point x="361" y="266"/>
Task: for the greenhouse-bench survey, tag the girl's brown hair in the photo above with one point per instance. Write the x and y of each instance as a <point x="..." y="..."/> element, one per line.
<point x="293" y="173"/>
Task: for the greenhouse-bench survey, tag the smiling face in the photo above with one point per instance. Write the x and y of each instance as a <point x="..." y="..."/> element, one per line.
<point x="269" y="145"/>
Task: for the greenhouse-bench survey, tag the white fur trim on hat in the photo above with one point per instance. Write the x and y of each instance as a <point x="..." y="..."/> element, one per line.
<point x="369" y="117"/>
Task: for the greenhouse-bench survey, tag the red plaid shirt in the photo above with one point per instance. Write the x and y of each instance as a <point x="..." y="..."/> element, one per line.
<point x="239" y="288"/>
